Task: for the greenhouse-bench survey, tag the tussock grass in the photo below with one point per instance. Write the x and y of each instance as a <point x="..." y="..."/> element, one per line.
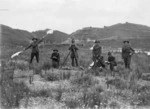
<point x="84" y="80"/>
<point x="55" y="75"/>
<point x="62" y="88"/>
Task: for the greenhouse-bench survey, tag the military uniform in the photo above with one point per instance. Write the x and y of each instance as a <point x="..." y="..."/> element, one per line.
<point x="97" y="50"/>
<point x="35" y="49"/>
<point x="97" y="58"/>
<point x="74" y="56"/>
<point x="55" y="59"/>
<point x="127" y="52"/>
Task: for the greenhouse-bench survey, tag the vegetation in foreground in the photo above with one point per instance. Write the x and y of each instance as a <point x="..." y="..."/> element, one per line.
<point x="74" y="88"/>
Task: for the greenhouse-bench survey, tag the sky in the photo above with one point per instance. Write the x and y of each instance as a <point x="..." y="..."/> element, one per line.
<point x="71" y="15"/>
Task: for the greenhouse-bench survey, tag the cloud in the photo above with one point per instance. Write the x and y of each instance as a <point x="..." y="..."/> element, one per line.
<point x="106" y="5"/>
<point x="70" y="15"/>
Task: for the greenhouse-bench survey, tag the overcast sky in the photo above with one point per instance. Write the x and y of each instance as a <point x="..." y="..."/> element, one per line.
<point x="70" y="15"/>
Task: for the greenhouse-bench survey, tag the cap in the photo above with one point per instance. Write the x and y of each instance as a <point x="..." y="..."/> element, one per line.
<point x="55" y="50"/>
<point x="97" y="41"/>
<point x="125" y="41"/>
<point x="34" y="38"/>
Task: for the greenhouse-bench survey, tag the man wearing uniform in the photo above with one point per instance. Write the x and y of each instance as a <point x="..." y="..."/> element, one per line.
<point x="74" y="56"/>
<point x="127" y="53"/>
<point x="35" y="49"/>
<point x="55" y="58"/>
<point x="97" y="58"/>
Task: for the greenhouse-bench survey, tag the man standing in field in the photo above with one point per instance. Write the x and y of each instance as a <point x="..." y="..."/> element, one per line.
<point x="97" y="58"/>
<point x="127" y="53"/>
<point x="74" y="55"/>
<point x="35" y="49"/>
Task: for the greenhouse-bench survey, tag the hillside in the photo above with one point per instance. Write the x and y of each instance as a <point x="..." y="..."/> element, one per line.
<point x="18" y="37"/>
<point x="112" y="36"/>
<point x="10" y="36"/>
<point x="56" y="37"/>
<point x="117" y="31"/>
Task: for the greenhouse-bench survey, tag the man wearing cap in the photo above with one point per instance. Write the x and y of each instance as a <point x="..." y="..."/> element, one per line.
<point x="55" y="58"/>
<point x="127" y="53"/>
<point x="97" y="58"/>
<point x="35" y="49"/>
<point x="74" y="55"/>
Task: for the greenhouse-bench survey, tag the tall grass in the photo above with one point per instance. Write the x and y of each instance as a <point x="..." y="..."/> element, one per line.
<point x="11" y="92"/>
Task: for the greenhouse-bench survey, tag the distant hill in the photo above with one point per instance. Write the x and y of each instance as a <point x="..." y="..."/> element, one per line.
<point x="12" y="37"/>
<point x="56" y="37"/>
<point x="112" y="36"/>
<point x="18" y="37"/>
<point x="118" y="31"/>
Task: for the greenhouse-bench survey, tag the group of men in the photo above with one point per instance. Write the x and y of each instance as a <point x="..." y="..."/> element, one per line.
<point x="98" y="59"/>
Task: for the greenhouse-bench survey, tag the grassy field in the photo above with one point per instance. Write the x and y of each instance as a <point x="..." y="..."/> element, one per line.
<point x="39" y="86"/>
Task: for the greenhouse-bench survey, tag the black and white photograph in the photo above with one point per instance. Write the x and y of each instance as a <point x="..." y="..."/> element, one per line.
<point x="75" y="54"/>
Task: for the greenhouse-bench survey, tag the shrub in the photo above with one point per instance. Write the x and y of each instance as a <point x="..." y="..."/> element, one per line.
<point x="99" y="89"/>
<point x="53" y="76"/>
<point x="46" y="66"/>
<point x="21" y="64"/>
<point x="42" y="93"/>
<point x="72" y="103"/>
<point x="118" y="83"/>
<point x="92" y="98"/>
<point x="12" y="93"/>
<point x="142" y="97"/>
<point x="114" y="105"/>
<point x="59" y="93"/>
<point x="65" y="75"/>
<point x="38" y="70"/>
<point x="72" y="99"/>
<point x="85" y="80"/>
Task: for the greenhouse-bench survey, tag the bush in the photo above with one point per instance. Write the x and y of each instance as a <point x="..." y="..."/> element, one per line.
<point x="59" y="92"/>
<point x="52" y="76"/>
<point x="65" y="75"/>
<point x="38" y="70"/>
<point x="12" y="93"/>
<point x="72" y="99"/>
<point x="72" y="103"/>
<point x="21" y="64"/>
<point x="142" y="97"/>
<point x="92" y="98"/>
<point x="114" y="105"/>
<point x="42" y="93"/>
<point x="85" y="80"/>
<point x="118" y="83"/>
<point x="46" y="66"/>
